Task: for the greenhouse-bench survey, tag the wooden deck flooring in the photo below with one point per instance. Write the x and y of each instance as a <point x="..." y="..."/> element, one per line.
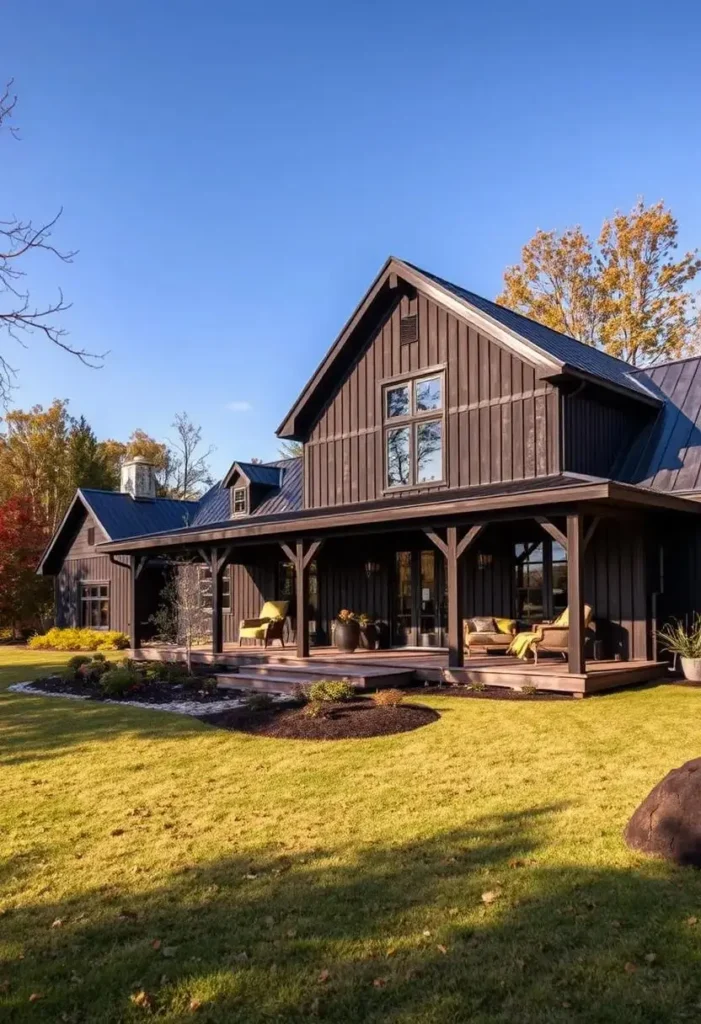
<point x="397" y="667"/>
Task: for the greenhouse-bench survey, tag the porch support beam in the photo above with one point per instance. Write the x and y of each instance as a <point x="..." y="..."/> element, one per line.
<point x="550" y="528"/>
<point x="575" y="593"/>
<point x="591" y="531"/>
<point x="469" y="539"/>
<point x="456" y="653"/>
<point x="302" y="557"/>
<point x="438" y="541"/>
<point x="217" y="561"/>
<point x="289" y="553"/>
<point x="136" y="565"/>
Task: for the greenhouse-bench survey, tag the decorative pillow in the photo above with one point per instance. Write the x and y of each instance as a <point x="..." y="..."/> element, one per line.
<point x="507" y="626"/>
<point x="485" y="624"/>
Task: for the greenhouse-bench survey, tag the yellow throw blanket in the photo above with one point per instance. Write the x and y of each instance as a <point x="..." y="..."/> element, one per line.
<point x="523" y="644"/>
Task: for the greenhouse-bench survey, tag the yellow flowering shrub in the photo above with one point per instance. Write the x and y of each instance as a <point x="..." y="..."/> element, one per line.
<point x="79" y="640"/>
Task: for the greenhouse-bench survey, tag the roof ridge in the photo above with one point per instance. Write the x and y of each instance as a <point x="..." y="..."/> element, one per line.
<point x="523" y="316"/>
<point x="124" y="494"/>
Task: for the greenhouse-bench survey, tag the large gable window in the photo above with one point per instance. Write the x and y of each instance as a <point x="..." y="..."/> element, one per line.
<point x="413" y="432"/>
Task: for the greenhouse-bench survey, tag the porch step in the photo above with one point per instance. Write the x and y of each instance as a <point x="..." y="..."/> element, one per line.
<point x="244" y="681"/>
<point x="361" y="676"/>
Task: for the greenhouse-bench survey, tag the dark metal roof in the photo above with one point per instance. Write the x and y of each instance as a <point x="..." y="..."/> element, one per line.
<point x="123" y="516"/>
<point x="267" y="474"/>
<point x="667" y="455"/>
<point x="573" y="353"/>
<point x="288" y="474"/>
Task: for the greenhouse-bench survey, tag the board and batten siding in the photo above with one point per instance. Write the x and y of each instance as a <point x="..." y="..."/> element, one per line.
<point x="501" y="423"/>
<point x="83" y="565"/>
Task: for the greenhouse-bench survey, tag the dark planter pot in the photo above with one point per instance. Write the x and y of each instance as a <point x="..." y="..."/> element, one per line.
<point x="347" y="636"/>
<point x="369" y="636"/>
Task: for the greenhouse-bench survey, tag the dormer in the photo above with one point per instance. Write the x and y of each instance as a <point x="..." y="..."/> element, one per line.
<point x="249" y="484"/>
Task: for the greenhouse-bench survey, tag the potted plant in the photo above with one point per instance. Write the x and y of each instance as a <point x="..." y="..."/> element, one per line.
<point x="368" y="632"/>
<point x="685" y="641"/>
<point x="347" y="631"/>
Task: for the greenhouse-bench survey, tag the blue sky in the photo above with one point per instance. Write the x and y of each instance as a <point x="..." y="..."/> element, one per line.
<point x="235" y="174"/>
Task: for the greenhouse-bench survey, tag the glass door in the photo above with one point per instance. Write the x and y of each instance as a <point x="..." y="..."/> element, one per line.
<point x="417" y="608"/>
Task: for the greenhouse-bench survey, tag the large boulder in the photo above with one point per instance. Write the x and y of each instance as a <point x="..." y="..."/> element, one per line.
<point x="668" y="821"/>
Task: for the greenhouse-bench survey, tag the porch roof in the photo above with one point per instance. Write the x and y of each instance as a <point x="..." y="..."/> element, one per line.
<point x="471" y="504"/>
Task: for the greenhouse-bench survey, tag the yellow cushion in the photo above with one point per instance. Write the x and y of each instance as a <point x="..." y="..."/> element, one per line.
<point x="506" y="625"/>
<point x="564" y="618"/>
<point x="253" y="632"/>
<point x="274" y="610"/>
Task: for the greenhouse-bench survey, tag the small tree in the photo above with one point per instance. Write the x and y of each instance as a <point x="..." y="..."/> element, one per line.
<point x="190" y="467"/>
<point x="184" y="616"/>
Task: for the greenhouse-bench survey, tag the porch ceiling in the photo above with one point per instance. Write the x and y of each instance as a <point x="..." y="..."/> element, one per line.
<point x="556" y="495"/>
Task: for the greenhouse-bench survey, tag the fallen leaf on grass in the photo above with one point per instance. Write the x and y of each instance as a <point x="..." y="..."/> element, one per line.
<point x="58" y="923"/>
<point x="651" y="957"/>
<point x="490" y="897"/>
<point x="142" y="999"/>
<point x="630" y="968"/>
<point x="195" y="1005"/>
<point x="380" y="982"/>
<point x="442" y="949"/>
<point x="324" y="975"/>
<point x="427" y="933"/>
<point x="35" y="997"/>
<point x="291" y="933"/>
<point x="156" y="944"/>
<point x="691" y="921"/>
<point x="168" y="951"/>
<point x="117" y="832"/>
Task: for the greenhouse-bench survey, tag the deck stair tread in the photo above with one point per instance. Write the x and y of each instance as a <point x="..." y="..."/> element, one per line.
<point x="325" y="669"/>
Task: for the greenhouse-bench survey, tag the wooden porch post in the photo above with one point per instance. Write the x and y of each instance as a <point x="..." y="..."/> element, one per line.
<point x="219" y="559"/>
<point x="302" y="587"/>
<point x="456" y="652"/>
<point x="136" y="566"/>
<point x="575" y="593"/>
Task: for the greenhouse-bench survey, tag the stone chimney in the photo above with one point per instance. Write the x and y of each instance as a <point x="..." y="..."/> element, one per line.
<point x="138" y="478"/>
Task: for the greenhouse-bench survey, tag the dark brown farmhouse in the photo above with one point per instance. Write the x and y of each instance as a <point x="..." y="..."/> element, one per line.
<point x="460" y="461"/>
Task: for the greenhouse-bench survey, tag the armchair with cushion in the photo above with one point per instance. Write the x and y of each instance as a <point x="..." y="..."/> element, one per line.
<point x="553" y="637"/>
<point x="268" y="626"/>
<point x="489" y="633"/>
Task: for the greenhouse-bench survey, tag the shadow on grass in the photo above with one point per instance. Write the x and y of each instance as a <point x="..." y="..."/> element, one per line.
<point x="373" y="934"/>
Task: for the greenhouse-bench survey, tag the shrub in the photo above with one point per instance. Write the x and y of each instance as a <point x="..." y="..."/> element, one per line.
<point x="315" y="709"/>
<point x="259" y="701"/>
<point x="300" y="693"/>
<point x="165" y="671"/>
<point x="477" y="687"/>
<point x="330" y="690"/>
<point x="99" y="657"/>
<point x="388" y="698"/>
<point x="529" y="689"/>
<point x="79" y="640"/>
<point x="117" y="682"/>
<point x="77" y="660"/>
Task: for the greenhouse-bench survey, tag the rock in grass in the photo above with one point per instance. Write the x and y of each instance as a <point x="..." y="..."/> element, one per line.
<point x="668" y="822"/>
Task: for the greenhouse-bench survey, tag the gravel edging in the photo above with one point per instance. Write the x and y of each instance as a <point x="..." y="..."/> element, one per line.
<point x="193" y="708"/>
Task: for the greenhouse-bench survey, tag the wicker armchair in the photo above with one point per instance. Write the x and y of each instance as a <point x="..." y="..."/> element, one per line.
<point x="268" y="627"/>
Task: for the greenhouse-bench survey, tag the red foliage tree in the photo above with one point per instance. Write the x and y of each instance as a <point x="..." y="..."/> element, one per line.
<point x="23" y="595"/>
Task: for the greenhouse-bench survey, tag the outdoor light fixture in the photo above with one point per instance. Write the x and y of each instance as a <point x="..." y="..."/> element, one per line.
<point x="483" y="560"/>
<point x="372" y="568"/>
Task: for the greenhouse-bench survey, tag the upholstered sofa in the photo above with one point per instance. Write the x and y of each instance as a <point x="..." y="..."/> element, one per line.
<point x="488" y="633"/>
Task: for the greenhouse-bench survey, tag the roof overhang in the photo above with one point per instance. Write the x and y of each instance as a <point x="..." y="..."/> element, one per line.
<point x="572" y="492"/>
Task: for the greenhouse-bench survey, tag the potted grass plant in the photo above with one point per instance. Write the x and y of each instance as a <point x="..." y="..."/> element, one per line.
<point x="678" y="638"/>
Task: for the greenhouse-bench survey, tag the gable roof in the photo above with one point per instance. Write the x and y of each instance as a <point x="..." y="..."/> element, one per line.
<point x="214" y="506"/>
<point x="667" y="455"/>
<point x="265" y="474"/>
<point x="120" y="516"/>
<point x="551" y="353"/>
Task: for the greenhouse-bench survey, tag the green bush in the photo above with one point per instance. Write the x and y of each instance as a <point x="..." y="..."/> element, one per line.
<point x="165" y="671"/>
<point x="316" y="709"/>
<point x="99" y="657"/>
<point x="259" y="701"/>
<point x="477" y="687"/>
<point x="79" y="640"/>
<point x="330" y="690"/>
<point x="118" y="681"/>
<point x="77" y="660"/>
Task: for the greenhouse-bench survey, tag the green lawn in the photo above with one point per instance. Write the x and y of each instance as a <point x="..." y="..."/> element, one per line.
<point x="283" y="881"/>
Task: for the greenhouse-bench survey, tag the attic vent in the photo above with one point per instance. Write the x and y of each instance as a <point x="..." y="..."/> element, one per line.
<point x="409" y="329"/>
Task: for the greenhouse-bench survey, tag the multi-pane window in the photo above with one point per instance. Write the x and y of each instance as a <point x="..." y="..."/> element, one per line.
<point x="529" y="582"/>
<point x="240" y="501"/>
<point x="559" y="575"/>
<point x="95" y="605"/>
<point x="205" y="578"/>
<point x="413" y="433"/>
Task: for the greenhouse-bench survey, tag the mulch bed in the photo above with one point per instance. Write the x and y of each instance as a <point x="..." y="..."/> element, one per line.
<point x="356" y="719"/>
<point x="492" y="693"/>
<point x="148" y="692"/>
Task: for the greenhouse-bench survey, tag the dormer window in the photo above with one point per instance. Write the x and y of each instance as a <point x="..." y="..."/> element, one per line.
<point x="239" y="501"/>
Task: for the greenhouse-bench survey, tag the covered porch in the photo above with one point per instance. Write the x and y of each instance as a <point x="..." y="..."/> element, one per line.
<point x="421" y="570"/>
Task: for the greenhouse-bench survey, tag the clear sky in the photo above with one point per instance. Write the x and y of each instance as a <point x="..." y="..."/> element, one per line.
<point x="235" y="174"/>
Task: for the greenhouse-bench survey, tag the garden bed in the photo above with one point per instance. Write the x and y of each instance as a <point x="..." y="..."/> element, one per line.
<point x="194" y="690"/>
<point x="342" y="720"/>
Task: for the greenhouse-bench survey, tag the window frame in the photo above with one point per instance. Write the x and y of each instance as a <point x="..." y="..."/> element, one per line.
<point x="84" y="601"/>
<point x="204" y="575"/>
<point x="239" y="512"/>
<point x="412" y="420"/>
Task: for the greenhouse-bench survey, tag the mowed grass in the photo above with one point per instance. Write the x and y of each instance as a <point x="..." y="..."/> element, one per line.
<point x="470" y="871"/>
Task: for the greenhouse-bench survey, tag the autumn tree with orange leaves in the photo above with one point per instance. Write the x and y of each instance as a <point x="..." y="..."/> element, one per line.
<point x="627" y="293"/>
